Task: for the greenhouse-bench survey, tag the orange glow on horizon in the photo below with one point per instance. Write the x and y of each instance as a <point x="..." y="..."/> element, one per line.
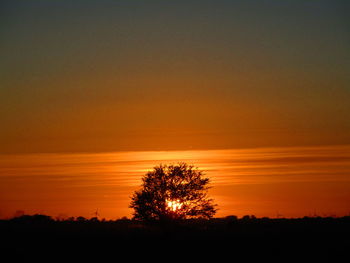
<point x="294" y="182"/>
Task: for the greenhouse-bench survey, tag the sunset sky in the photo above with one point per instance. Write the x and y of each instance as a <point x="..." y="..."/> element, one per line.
<point x="216" y="83"/>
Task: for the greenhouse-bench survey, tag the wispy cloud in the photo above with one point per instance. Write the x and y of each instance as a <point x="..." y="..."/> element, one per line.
<point x="49" y="178"/>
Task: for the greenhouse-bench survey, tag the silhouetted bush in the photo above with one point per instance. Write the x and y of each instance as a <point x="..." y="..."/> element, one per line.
<point x="37" y="218"/>
<point x="231" y="218"/>
<point x="81" y="219"/>
<point x="93" y="219"/>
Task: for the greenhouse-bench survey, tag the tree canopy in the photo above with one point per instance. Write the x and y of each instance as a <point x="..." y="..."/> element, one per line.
<point x="173" y="192"/>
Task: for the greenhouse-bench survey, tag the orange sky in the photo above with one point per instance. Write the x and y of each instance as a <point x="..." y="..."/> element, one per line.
<point x="95" y="92"/>
<point x="292" y="182"/>
<point x="102" y="76"/>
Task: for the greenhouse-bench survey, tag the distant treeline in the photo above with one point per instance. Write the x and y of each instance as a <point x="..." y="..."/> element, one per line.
<point x="228" y="219"/>
<point x="246" y="238"/>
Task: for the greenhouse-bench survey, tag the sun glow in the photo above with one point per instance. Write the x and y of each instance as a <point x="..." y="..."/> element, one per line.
<point x="174" y="205"/>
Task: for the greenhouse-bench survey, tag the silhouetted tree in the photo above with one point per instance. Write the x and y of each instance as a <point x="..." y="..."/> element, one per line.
<point x="173" y="192"/>
<point x="231" y="218"/>
<point x="81" y="219"/>
<point x="37" y="218"/>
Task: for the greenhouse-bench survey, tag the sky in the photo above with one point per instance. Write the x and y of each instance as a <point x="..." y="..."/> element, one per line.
<point x="253" y="91"/>
<point x="274" y="182"/>
<point x="94" y="76"/>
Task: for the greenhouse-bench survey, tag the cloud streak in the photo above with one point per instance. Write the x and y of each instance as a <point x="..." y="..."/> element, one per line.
<point x="108" y="179"/>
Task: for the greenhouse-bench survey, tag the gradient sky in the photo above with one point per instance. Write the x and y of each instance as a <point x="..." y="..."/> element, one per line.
<point x="95" y="93"/>
<point x="91" y="76"/>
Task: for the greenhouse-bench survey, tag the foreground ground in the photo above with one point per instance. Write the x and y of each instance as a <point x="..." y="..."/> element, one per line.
<point x="277" y="239"/>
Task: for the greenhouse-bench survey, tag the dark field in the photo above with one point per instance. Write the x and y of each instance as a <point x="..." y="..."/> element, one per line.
<point x="41" y="238"/>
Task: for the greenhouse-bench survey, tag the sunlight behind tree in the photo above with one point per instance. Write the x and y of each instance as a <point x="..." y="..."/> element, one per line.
<point x="173" y="192"/>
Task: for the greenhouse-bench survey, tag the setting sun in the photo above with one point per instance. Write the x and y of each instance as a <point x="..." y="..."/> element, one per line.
<point x="174" y="205"/>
